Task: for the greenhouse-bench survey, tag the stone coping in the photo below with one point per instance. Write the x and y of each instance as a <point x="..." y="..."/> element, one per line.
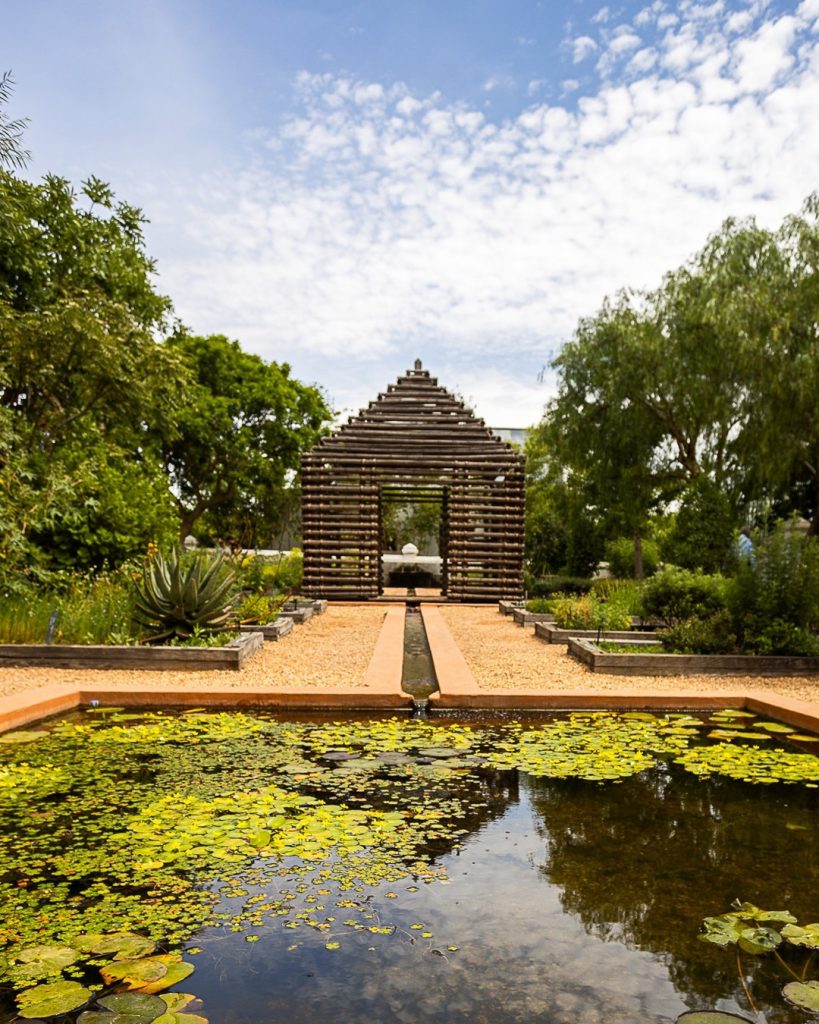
<point x="110" y="656"/>
<point x="688" y="664"/>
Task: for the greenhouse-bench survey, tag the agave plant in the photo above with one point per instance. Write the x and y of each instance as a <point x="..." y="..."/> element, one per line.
<point x="179" y="596"/>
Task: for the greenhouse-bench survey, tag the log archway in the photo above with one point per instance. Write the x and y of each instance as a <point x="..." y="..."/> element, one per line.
<point x="414" y="436"/>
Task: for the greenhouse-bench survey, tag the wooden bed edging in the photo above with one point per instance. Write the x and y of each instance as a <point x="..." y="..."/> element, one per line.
<point x="271" y="630"/>
<point x="524" y="618"/>
<point x="555" y="635"/>
<point x="109" y="656"/>
<point x="687" y="664"/>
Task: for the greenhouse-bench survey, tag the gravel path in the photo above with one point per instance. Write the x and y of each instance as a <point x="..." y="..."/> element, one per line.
<point x="504" y="656"/>
<point x="333" y="649"/>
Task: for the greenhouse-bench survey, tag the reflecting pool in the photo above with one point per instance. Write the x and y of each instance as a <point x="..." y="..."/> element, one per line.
<point x="399" y="870"/>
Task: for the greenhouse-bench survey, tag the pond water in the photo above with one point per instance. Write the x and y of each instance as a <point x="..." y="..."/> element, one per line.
<point x="394" y="870"/>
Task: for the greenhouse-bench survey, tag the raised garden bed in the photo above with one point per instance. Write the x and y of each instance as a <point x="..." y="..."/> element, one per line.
<point x="525" y="618"/>
<point x="507" y="606"/>
<point x="109" y="656"/>
<point x="554" y="635"/>
<point x="299" y="615"/>
<point x="271" y="630"/>
<point x="589" y="653"/>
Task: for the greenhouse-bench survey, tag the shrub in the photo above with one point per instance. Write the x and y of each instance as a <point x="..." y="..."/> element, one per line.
<point x="540" y="605"/>
<point x="780" y="637"/>
<point x="703" y="530"/>
<point x="258" y="609"/>
<point x="674" y="595"/>
<point x="781" y="582"/>
<point x="587" y="613"/>
<point x="549" y="586"/>
<point x="711" y="635"/>
<point x="272" y="573"/>
<point x="620" y="556"/>
<point x="626" y="594"/>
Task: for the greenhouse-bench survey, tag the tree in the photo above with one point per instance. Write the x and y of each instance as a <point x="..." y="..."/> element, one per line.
<point x="12" y="153"/>
<point x="238" y="437"/>
<point x="703" y="531"/>
<point x="85" y="381"/>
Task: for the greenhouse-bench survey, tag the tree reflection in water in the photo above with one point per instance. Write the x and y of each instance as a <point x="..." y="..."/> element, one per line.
<point x="645" y="864"/>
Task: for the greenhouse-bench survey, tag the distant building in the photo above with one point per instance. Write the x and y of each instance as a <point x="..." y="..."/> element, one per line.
<point x="515" y="435"/>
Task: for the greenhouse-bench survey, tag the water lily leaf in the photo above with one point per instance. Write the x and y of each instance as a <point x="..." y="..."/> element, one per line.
<point x="134" y="1004"/>
<point x="804" y="994"/>
<point x="176" y="1001"/>
<point x="45" y="960"/>
<point x="51" y="1000"/>
<point x="775" y="727"/>
<point x="711" y="1017"/>
<point x="23" y="736"/>
<point x="759" y="940"/>
<point x="134" y="973"/>
<point x="124" y="945"/>
<point x="177" y="971"/>
<point x="807" y="935"/>
<point x="753" y="913"/>
<point x="803" y="737"/>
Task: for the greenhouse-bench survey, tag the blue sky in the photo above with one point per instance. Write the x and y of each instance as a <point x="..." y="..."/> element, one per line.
<point x="347" y="186"/>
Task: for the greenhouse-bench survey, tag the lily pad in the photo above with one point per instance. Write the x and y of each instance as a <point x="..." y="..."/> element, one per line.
<point x="134" y="973"/>
<point x="807" y="935"/>
<point x="40" y="961"/>
<point x="804" y="994"/>
<point x="23" y="736"/>
<point x="135" y="1004"/>
<point x="439" y="752"/>
<point x="124" y="945"/>
<point x="51" y="1000"/>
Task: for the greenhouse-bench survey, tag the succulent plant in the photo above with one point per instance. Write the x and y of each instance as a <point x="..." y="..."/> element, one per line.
<point x="182" y="595"/>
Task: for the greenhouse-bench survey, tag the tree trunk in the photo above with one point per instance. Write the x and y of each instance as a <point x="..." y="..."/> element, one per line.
<point x="638" y="555"/>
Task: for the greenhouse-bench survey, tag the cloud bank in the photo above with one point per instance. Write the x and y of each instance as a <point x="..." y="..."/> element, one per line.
<point x="374" y="221"/>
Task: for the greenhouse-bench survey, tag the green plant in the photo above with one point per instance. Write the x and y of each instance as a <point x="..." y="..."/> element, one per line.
<point x="182" y="593"/>
<point x="780" y="584"/>
<point x="587" y="613"/>
<point x="549" y="586"/>
<point x="539" y="605"/>
<point x="781" y="637"/>
<point x="675" y="594"/>
<point x="626" y="594"/>
<point x="258" y="608"/>
<point x="711" y="635"/>
<point x="619" y="554"/>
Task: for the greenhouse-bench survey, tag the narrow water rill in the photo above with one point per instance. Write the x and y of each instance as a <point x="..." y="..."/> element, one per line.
<point x="418" y="677"/>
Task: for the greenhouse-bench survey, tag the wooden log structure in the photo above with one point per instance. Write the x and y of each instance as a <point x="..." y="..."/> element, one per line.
<point x="415" y="442"/>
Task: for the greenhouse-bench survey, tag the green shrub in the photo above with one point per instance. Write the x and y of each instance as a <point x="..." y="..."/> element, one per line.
<point x="272" y="573"/>
<point x="539" y="605"/>
<point x="258" y="609"/>
<point x="626" y="594"/>
<point x="711" y="635"/>
<point x="551" y="586"/>
<point x="619" y="554"/>
<point x="674" y="595"/>
<point x="702" y="533"/>
<point x="781" y="582"/>
<point x="587" y="613"/>
<point x="780" y="637"/>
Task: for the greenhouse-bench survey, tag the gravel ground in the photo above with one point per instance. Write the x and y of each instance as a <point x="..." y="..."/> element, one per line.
<point x="333" y="649"/>
<point x="503" y="656"/>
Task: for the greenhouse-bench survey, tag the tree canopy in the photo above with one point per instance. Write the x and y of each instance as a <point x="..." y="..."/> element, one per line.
<point x="713" y="375"/>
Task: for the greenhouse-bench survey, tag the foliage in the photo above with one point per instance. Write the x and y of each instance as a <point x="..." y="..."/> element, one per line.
<point x="89" y="610"/>
<point x="589" y="613"/>
<point x="713" y="634"/>
<point x="702" y="534"/>
<point x="674" y="595"/>
<point x="550" y="586"/>
<point x="182" y="595"/>
<point x="255" y="609"/>
<point x="410" y="522"/>
<point x="775" y="596"/>
<point x="540" y="605"/>
<point x="12" y="153"/>
<point x="620" y="554"/>
<point x="625" y="593"/>
<point x="238" y="435"/>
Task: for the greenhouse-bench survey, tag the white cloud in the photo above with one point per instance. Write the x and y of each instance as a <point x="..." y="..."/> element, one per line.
<point x="602" y="15"/>
<point x="582" y="47"/>
<point x="380" y="222"/>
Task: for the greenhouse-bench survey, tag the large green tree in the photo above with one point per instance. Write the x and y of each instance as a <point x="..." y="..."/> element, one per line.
<point x="237" y="441"/>
<point x="85" y="380"/>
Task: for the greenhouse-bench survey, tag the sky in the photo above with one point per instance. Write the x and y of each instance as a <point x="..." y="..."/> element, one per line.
<point x="347" y="187"/>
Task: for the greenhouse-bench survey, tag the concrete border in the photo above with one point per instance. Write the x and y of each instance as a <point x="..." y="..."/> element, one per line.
<point x="555" y="635"/>
<point x="524" y="618"/>
<point x="687" y="664"/>
<point x="451" y="670"/>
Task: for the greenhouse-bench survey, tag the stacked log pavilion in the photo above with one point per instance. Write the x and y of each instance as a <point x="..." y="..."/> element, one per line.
<point x="415" y="442"/>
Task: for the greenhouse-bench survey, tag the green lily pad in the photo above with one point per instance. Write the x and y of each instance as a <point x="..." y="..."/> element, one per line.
<point x="44" y="960"/>
<point x="710" y="1017"/>
<point x="804" y="994"/>
<point x="807" y="935"/>
<point x="804" y="737"/>
<point x="124" y="945"/>
<point x="134" y="973"/>
<point x="23" y="736"/>
<point x="439" y="752"/>
<point x="135" y="1004"/>
<point x="51" y="1000"/>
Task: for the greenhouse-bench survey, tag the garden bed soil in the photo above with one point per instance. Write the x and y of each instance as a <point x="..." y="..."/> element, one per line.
<point x="271" y="630"/>
<point x="555" y="635"/>
<point x="590" y="655"/>
<point x="110" y="656"/>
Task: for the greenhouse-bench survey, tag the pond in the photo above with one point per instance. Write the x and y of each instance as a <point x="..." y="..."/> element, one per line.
<point x="401" y="870"/>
